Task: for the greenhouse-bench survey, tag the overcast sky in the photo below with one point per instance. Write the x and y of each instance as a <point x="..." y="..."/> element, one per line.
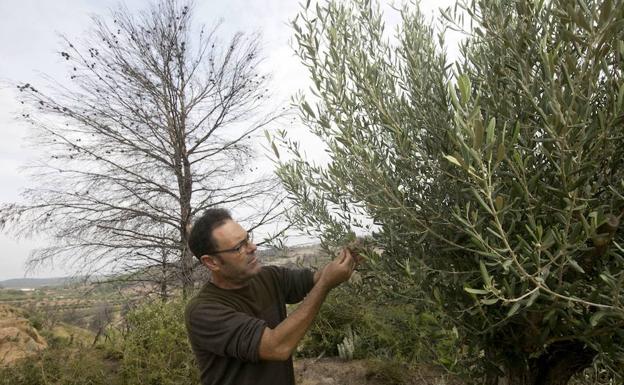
<point x="29" y="46"/>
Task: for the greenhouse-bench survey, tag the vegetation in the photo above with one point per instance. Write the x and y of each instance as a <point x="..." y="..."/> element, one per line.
<point x="359" y="321"/>
<point x="151" y="348"/>
<point x="493" y="186"/>
<point x="63" y="366"/>
<point x="156" y="349"/>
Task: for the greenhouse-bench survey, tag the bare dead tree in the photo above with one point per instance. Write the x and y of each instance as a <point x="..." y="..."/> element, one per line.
<point x="151" y="127"/>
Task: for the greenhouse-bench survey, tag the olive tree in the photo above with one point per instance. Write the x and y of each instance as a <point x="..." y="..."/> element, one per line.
<point x="154" y="123"/>
<point x="494" y="185"/>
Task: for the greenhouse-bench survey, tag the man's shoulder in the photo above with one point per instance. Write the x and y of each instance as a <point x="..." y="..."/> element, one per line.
<point x="274" y="275"/>
<point x="207" y="295"/>
<point x="268" y="272"/>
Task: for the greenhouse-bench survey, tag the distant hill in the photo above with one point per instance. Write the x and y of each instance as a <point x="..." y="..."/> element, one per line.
<point x="33" y="283"/>
<point x="299" y="255"/>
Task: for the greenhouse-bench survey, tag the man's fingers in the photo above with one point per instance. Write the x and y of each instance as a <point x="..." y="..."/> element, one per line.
<point x="346" y="259"/>
<point x="342" y="256"/>
<point x="357" y="257"/>
<point x="349" y="260"/>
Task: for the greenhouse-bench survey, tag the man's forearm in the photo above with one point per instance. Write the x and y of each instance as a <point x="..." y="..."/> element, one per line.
<point x="317" y="275"/>
<point x="279" y="343"/>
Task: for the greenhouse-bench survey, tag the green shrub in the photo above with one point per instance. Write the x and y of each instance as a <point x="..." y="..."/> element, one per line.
<point x="60" y="365"/>
<point x="379" y="327"/>
<point x="156" y="348"/>
<point x="37" y="321"/>
<point x="387" y="372"/>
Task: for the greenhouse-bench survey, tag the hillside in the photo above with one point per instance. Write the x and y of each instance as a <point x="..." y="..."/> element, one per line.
<point x="302" y="255"/>
<point x="34" y="283"/>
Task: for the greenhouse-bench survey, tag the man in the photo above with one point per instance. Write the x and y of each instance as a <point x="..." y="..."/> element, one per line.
<point x="237" y="323"/>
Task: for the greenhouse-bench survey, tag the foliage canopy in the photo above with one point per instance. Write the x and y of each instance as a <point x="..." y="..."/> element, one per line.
<point x="494" y="185"/>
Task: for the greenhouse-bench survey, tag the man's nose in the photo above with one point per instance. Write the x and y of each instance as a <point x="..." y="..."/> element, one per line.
<point x="252" y="246"/>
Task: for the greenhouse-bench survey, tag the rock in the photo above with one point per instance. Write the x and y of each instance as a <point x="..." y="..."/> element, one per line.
<point x="330" y="372"/>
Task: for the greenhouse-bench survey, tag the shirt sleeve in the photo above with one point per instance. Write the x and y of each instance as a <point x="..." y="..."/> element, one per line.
<point x="225" y="332"/>
<point x="296" y="283"/>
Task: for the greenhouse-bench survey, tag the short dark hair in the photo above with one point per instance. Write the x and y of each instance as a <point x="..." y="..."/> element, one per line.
<point x="201" y="242"/>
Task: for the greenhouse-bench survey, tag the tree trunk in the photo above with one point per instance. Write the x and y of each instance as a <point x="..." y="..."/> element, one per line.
<point x="185" y="186"/>
<point x="555" y="366"/>
<point x="187" y="272"/>
<point x="562" y="361"/>
<point x="164" y="295"/>
<point x="187" y="259"/>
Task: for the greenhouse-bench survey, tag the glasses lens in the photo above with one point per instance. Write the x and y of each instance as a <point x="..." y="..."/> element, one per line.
<point x="245" y="244"/>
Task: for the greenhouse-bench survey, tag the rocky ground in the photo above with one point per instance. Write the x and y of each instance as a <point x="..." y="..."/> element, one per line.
<point x="334" y="371"/>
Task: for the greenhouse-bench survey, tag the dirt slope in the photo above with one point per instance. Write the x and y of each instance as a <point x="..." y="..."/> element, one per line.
<point x="18" y="339"/>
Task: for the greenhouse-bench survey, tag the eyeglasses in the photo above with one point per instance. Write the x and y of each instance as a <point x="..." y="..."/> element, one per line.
<point x="244" y="244"/>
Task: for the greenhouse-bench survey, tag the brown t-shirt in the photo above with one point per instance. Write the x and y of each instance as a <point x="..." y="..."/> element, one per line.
<point x="225" y="326"/>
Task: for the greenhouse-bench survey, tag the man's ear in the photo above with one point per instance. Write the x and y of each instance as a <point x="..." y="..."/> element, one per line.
<point x="210" y="262"/>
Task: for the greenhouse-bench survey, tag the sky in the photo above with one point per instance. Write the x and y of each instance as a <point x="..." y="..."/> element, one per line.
<point x="29" y="46"/>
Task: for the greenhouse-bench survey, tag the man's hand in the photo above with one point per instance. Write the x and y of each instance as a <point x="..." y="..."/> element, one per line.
<point x="278" y="344"/>
<point x="357" y="255"/>
<point x="338" y="271"/>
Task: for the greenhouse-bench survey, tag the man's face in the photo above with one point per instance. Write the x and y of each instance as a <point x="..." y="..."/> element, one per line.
<point x="235" y="266"/>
